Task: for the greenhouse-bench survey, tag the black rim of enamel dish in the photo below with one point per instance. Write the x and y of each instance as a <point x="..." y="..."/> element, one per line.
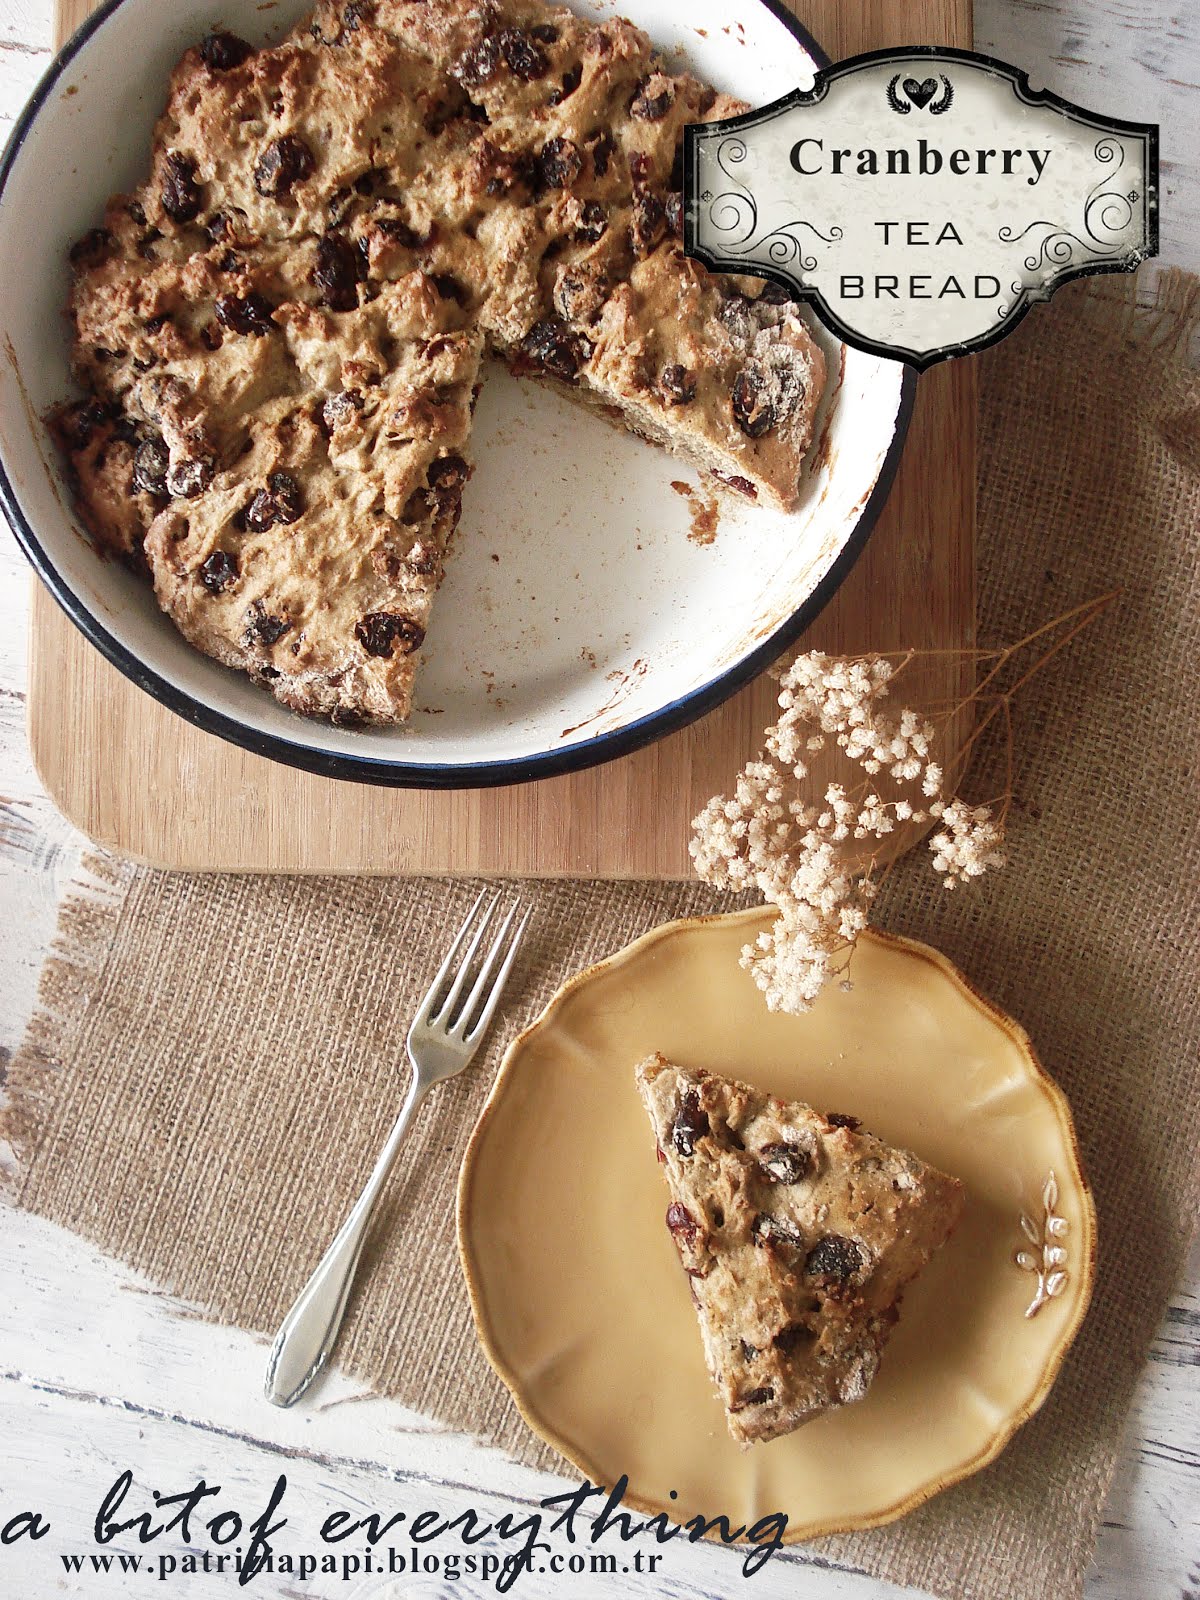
<point x="400" y="774"/>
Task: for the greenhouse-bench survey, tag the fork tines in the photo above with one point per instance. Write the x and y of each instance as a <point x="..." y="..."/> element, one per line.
<point x="467" y="963"/>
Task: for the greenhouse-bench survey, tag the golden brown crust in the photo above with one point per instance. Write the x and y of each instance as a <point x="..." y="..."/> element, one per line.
<point x="319" y="220"/>
<point x="798" y="1232"/>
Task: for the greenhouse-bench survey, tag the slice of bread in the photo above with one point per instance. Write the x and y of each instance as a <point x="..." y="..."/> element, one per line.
<point x="798" y="1232"/>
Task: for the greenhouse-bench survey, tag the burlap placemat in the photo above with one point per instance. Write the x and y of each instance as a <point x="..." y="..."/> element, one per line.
<point x="204" y="1086"/>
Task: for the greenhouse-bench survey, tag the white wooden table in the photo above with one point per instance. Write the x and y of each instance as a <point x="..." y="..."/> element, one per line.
<point x="98" y="1372"/>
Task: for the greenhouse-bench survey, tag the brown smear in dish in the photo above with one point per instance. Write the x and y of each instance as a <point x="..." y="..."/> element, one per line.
<point x="36" y="428"/>
<point x="706" y="514"/>
<point x="705" y="518"/>
<point x="623" y="682"/>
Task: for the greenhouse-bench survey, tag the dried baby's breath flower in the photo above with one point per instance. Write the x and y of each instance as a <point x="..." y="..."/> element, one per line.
<point x="793" y="854"/>
<point x="968" y="843"/>
<point x="797" y="856"/>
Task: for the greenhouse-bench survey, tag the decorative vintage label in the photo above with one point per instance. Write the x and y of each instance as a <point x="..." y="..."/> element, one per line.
<point x="921" y="199"/>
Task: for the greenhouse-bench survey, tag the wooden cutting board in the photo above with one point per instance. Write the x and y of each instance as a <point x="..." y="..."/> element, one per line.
<point x="142" y="781"/>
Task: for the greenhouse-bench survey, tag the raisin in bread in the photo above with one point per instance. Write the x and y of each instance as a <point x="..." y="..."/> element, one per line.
<point x="279" y="332"/>
<point x="798" y="1232"/>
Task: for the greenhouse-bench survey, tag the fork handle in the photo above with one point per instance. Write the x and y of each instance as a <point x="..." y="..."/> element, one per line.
<point x="310" y="1329"/>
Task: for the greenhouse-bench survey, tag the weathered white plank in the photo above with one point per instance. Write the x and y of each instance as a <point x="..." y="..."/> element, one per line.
<point x="1138" y="59"/>
<point x="131" y="1378"/>
<point x="97" y="1373"/>
<point x="25" y="33"/>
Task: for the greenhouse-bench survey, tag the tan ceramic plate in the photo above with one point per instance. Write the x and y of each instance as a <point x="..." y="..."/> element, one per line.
<point x="578" y="1296"/>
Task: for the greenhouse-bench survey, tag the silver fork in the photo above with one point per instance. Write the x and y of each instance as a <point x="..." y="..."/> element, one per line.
<point x="442" y="1040"/>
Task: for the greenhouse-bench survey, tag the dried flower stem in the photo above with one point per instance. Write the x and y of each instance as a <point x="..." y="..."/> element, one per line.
<point x="1078" y="618"/>
<point x="798" y="854"/>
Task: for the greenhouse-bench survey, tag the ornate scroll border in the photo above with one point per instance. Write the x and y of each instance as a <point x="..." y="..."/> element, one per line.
<point x="792" y="248"/>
